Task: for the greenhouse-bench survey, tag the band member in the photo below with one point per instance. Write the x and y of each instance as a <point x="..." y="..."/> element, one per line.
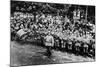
<point x="57" y="44"/>
<point x="63" y="44"/>
<point x="85" y="47"/>
<point x="77" y="48"/>
<point x="69" y="46"/>
<point x="49" y="42"/>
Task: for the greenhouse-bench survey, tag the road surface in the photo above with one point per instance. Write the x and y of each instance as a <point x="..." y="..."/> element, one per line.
<point x="30" y="54"/>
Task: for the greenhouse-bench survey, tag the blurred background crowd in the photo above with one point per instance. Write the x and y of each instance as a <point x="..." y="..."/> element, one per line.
<point x="72" y="26"/>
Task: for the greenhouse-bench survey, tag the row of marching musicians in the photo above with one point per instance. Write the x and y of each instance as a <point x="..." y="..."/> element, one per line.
<point x="76" y="47"/>
<point x="71" y="46"/>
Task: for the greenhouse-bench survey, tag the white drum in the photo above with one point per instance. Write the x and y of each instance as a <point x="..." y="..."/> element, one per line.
<point x="21" y="32"/>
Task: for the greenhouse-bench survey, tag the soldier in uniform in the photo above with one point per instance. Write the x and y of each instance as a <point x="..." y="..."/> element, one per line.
<point x="49" y="42"/>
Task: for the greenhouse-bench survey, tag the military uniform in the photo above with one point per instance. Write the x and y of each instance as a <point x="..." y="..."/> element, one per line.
<point x="49" y="42"/>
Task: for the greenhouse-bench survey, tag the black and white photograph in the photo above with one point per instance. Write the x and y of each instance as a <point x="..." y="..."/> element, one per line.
<point x="43" y="33"/>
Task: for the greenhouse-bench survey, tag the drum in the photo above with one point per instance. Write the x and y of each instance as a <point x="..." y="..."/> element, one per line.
<point x="21" y="32"/>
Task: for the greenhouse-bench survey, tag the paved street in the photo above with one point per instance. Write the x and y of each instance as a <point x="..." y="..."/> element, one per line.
<point x="30" y="54"/>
